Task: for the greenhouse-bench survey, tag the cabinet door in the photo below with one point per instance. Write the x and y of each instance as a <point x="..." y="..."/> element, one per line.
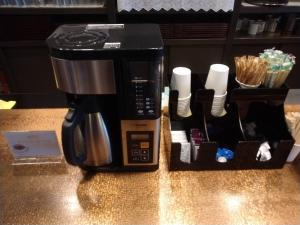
<point x="30" y="69"/>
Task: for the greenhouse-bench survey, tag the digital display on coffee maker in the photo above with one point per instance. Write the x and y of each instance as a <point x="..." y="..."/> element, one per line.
<point x="138" y="137"/>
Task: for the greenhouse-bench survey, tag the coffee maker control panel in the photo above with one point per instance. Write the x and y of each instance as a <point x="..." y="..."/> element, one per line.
<point x="140" y="141"/>
<point x="140" y="147"/>
<point x="143" y="98"/>
<point x="143" y="90"/>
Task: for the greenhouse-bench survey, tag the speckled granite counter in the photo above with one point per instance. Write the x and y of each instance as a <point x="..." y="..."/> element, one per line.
<point x="62" y="194"/>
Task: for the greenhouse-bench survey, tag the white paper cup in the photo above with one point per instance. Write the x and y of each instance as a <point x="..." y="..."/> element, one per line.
<point x="276" y="79"/>
<point x="242" y="85"/>
<point x="294" y="153"/>
<point x="261" y="26"/>
<point x="181" y="81"/>
<point x="217" y="78"/>
<point x="253" y="28"/>
<point x="217" y="108"/>
<point x="183" y="107"/>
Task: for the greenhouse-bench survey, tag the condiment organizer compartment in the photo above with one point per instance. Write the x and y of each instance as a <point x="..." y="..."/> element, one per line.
<point x="261" y="119"/>
<point x="229" y="131"/>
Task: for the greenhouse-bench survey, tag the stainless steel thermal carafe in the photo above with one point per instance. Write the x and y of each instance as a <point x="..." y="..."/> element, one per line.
<point x="97" y="141"/>
<point x="85" y="137"/>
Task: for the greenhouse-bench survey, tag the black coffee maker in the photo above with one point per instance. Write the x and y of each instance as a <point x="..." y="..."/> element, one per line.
<point x="111" y="74"/>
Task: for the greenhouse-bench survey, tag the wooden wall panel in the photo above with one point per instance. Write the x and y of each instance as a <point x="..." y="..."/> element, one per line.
<point x="31" y="69"/>
<point x="198" y="58"/>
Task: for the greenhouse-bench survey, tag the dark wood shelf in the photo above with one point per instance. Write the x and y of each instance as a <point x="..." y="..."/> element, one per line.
<point x="27" y="43"/>
<point x="275" y="38"/>
<point x="53" y="10"/>
<point x="291" y="7"/>
<point x="187" y="42"/>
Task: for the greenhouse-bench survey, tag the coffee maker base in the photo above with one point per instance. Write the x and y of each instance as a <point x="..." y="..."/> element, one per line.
<point x="114" y="168"/>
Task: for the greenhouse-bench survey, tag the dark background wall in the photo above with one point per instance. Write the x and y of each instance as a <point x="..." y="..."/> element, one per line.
<point x="192" y="39"/>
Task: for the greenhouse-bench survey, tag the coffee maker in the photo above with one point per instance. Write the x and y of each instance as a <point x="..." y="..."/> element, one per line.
<point x="111" y="75"/>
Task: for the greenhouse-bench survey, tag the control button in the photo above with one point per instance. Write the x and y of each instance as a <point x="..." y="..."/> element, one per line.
<point x="148" y="107"/>
<point x="144" y="158"/>
<point x="140" y="111"/>
<point x="147" y="103"/>
<point x="150" y="111"/>
<point x="144" y="145"/>
<point x="135" y="158"/>
<point x="135" y="152"/>
<point x="145" y="152"/>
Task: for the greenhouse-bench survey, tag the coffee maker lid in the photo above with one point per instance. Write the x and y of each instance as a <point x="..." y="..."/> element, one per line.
<point x="103" y="40"/>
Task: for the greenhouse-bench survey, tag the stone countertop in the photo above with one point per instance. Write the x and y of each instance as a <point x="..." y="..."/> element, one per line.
<point x="63" y="194"/>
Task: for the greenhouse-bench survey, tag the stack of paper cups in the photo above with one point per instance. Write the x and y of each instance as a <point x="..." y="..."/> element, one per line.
<point x="217" y="108"/>
<point x="217" y="80"/>
<point x="181" y="81"/>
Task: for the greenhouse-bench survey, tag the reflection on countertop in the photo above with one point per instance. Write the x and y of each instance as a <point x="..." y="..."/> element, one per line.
<point x="63" y="194"/>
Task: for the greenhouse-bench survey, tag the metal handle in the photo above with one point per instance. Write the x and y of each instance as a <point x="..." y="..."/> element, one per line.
<point x="75" y="154"/>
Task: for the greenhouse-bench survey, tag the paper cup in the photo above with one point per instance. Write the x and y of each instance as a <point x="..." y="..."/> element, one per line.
<point x="276" y="79"/>
<point x="181" y="81"/>
<point x="242" y="85"/>
<point x="183" y="107"/>
<point x="217" y="108"/>
<point x="253" y="28"/>
<point x="217" y="78"/>
<point x="294" y="153"/>
<point x="261" y="26"/>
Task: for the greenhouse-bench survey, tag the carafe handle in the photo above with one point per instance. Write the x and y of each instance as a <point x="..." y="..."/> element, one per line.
<point x="72" y="120"/>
